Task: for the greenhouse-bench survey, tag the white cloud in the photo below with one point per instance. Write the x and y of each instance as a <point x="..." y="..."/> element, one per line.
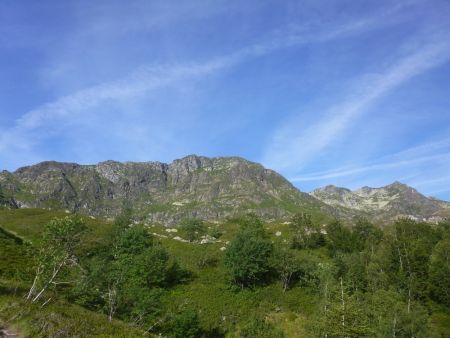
<point x="373" y="167"/>
<point x="424" y="167"/>
<point x="416" y="155"/>
<point x="38" y="124"/>
<point x="292" y="148"/>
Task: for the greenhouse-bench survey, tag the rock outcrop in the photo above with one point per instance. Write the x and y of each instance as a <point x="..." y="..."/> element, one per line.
<point x="194" y="186"/>
<point x="385" y="203"/>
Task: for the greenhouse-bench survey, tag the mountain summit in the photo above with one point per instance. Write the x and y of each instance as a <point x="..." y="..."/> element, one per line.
<point x="193" y="186"/>
<point x="384" y="203"/>
<point x="197" y="186"/>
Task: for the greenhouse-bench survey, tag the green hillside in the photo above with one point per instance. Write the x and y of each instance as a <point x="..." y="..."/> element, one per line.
<point x="305" y="281"/>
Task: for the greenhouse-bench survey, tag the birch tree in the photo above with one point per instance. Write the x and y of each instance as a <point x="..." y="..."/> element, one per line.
<point x="57" y="255"/>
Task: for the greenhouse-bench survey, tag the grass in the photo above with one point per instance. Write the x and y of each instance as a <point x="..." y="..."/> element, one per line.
<point x="220" y="306"/>
<point x="224" y="307"/>
<point x="59" y="319"/>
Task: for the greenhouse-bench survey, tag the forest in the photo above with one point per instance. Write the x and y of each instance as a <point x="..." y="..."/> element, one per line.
<point x="69" y="275"/>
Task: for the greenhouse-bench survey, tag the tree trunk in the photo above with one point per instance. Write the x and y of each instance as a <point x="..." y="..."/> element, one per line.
<point x="343" y="304"/>
<point x="55" y="273"/>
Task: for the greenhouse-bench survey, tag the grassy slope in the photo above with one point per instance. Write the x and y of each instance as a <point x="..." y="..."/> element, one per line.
<point x="59" y="319"/>
<point x="208" y="290"/>
<point x="56" y="319"/>
<point x="219" y="305"/>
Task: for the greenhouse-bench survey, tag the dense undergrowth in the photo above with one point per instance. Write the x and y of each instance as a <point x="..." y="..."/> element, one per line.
<point x="249" y="279"/>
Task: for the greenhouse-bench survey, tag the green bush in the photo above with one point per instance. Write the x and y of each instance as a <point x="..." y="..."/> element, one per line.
<point x="186" y="324"/>
<point x="247" y="258"/>
<point x="258" y="327"/>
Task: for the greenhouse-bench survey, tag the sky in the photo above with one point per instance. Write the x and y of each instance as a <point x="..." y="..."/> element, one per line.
<point x="350" y="93"/>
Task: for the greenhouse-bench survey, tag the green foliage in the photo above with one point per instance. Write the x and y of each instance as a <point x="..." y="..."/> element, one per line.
<point x="390" y="316"/>
<point x="127" y="276"/>
<point x="287" y="266"/>
<point x="215" y="232"/>
<point x="341" y="314"/>
<point x="365" y="234"/>
<point x="384" y="282"/>
<point x="247" y="258"/>
<point x="122" y="221"/>
<point x="258" y="327"/>
<point x="63" y="234"/>
<point x="249" y="221"/>
<point x="306" y="234"/>
<point x="186" y="324"/>
<point x="57" y="256"/>
<point x="3" y="200"/>
<point x="340" y="238"/>
<point x="176" y="274"/>
<point x="17" y="258"/>
<point x="193" y="229"/>
<point x="406" y="250"/>
<point x="60" y="319"/>
<point x="439" y="272"/>
<point x="353" y="268"/>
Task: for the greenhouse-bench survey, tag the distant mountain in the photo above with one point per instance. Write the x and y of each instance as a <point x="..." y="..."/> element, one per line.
<point x="194" y="186"/>
<point x="385" y="203"/>
<point x="207" y="188"/>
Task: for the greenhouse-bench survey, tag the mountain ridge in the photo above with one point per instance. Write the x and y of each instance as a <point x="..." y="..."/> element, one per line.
<point x="211" y="188"/>
<point x="193" y="186"/>
<point x="385" y="203"/>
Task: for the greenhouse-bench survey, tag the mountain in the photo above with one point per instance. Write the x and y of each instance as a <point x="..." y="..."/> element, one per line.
<point x="385" y="203"/>
<point x="194" y="186"/>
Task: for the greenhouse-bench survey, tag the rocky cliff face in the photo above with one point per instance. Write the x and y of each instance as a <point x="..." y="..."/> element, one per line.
<point x="385" y="203"/>
<point x="194" y="186"/>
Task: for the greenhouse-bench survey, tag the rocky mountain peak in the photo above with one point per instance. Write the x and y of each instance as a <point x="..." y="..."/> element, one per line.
<point x="388" y="202"/>
<point x="193" y="186"/>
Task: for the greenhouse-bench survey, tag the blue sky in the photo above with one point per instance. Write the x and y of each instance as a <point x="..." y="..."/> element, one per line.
<point x="350" y="93"/>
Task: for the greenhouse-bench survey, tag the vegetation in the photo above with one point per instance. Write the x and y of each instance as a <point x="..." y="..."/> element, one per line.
<point x="193" y="229"/>
<point x="62" y="275"/>
<point x="247" y="259"/>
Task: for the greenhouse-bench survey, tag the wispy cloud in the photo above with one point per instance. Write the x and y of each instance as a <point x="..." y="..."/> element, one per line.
<point x="53" y="117"/>
<point x="367" y="168"/>
<point x="292" y="147"/>
<point x="423" y="153"/>
<point x="424" y="167"/>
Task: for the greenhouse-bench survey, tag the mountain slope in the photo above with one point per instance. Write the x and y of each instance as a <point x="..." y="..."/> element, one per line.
<point x="194" y="186"/>
<point x="385" y="203"/>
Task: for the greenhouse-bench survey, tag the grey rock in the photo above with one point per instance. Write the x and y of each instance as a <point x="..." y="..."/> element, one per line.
<point x="385" y="203"/>
<point x="194" y="186"/>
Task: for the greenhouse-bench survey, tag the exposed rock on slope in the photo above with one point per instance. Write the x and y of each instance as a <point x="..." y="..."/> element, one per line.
<point x="385" y="203"/>
<point x="194" y="186"/>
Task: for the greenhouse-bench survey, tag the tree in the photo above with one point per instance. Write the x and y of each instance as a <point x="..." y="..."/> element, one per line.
<point x="126" y="278"/>
<point x="287" y="266"/>
<point x="306" y="233"/>
<point x="340" y="238"/>
<point x="61" y="238"/>
<point x="3" y="199"/>
<point x="137" y="269"/>
<point x="439" y="272"/>
<point x="186" y="324"/>
<point x="247" y="258"/>
<point x="352" y="267"/>
<point x="341" y="314"/>
<point x="408" y="245"/>
<point x="365" y="234"/>
<point x="193" y="229"/>
<point x="390" y="316"/>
